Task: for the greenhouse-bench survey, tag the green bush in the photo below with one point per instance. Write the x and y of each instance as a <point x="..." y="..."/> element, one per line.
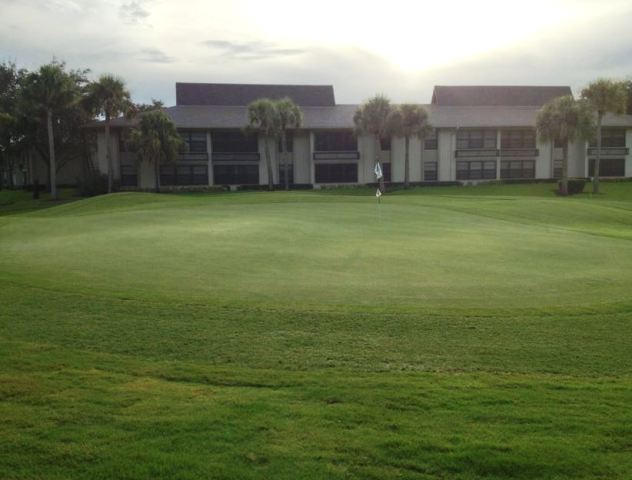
<point x="93" y="184"/>
<point x="575" y="185"/>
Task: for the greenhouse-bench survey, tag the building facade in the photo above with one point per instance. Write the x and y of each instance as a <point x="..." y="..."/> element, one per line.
<point x="480" y="133"/>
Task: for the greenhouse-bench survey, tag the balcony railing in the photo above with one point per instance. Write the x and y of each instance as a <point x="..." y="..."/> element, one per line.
<point x="193" y="157"/>
<point x="235" y="156"/>
<point x="592" y="151"/>
<point x="477" y="152"/>
<point x="519" y="152"/>
<point x="347" y="155"/>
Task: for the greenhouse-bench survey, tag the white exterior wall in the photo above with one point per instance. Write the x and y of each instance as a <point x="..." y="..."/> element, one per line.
<point x="446" y="145"/>
<point x="577" y="159"/>
<point x="544" y="161"/>
<point x="628" y="158"/>
<point x="397" y="159"/>
<point x="302" y="157"/>
<point x="366" y="164"/>
<point x="263" y="165"/>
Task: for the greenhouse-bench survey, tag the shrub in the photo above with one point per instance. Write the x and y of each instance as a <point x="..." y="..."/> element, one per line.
<point x="94" y="183"/>
<point x="575" y="185"/>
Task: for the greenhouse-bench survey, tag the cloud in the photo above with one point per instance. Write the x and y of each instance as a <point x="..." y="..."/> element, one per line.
<point x="250" y="50"/>
<point x="154" y="55"/>
<point x="134" y="11"/>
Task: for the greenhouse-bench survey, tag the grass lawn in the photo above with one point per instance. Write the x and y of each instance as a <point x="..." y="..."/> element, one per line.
<point x="448" y="333"/>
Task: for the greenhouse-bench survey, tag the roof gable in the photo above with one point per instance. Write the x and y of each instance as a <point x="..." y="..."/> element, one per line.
<point x="234" y="94"/>
<point x="462" y="96"/>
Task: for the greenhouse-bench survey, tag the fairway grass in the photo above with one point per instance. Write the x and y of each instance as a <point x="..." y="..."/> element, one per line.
<point x="466" y="333"/>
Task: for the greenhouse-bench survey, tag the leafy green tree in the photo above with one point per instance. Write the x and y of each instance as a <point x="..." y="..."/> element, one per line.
<point x="564" y="120"/>
<point x="263" y="117"/>
<point x="46" y="95"/>
<point x="604" y="96"/>
<point x="12" y="144"/>
<point x="148" y="107"/>
<point x="409" y="120"/>
<point x="109" y="98"/>
<point x="290" y="117"/>
<point x="372" y="118"/>
<point x="156" y="141"/>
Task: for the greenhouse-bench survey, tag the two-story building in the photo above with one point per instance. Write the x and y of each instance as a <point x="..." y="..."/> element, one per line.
<point x="481" y="133"/>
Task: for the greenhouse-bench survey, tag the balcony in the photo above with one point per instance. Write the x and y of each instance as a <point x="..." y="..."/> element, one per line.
<point x="520" y="152"/>
<point x="477" y="152"/>
<point x="609" y="151"/>
<point x="236" y="157"/>
<point x="336" y="155"/>
<point x="193" y="157"/>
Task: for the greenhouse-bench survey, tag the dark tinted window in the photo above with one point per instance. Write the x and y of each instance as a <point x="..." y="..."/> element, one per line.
<point x="336" y="172"/>
<point x="335" y="141"/>
<point x="234" y="141"/>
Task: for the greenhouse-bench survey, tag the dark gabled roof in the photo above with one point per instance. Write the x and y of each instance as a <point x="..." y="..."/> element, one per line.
<point x="496" y="96"/>
<point x="341" y="116"/>
<point x="237" y="94"/>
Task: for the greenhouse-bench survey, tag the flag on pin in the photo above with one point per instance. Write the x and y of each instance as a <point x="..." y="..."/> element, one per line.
<point x="378" y="194"/>
<point x="378" y="170"/>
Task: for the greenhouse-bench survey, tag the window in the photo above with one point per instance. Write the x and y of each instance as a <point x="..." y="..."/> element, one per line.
<point x="511" y="139"/>
<point x="430" y="142"/>
<point x="194" y="142"/>
<point x="183" y="175"/>
<point x="289" y="136"/>
<point x="476" y="170"/>
<point x="608" y="167"/>
<point x="234" y="141"/>
<point x="336" y="173"/>
<point x="558" y="143"/>
<point x="335" y="141"/>
<point x="129" y="176"/>
<point x="430" y="172"/>
<point x="290" y="173"/>
<point x="475" y="139"/>
<point x="385" y="144"/>
<point x="386" y="171"/>
<point x="517" y="169"/>
<point x="236" y="174"/>
<point x="611" y="137"/>
<point x="557" y="169"/>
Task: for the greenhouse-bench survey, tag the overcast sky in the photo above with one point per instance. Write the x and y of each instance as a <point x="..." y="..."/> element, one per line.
<point x="400" y="48"/>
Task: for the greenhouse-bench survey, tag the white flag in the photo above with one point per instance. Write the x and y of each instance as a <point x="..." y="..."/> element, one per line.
<point x="378" y="171"/>
<point x="378" y="194"/>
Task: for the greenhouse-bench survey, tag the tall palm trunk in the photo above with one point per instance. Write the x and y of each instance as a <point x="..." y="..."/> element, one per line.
<point x="564" y="180"/>
<point x="598" y="158"/>
<point x="406" y="161"/>
<point x="378" y="148"/>
<point x="269" y="164"/>
<point x="285" y="162"/>
<point x="51" y="155"/>
<point x="157" y="174"/>
<point x="108" y="152"/>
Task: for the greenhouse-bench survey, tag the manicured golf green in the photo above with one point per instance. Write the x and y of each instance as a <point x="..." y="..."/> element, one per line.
<point x="449" y="333"/>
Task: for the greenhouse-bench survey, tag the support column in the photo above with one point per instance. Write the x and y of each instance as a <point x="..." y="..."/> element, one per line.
<point x="209" y="153"/>
<point x="498" y="157"/>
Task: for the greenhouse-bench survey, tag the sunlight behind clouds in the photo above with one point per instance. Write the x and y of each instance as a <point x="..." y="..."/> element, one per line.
<point x="415" y="35"/>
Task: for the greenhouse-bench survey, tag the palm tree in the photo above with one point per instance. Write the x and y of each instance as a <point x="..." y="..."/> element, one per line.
<point x="47" y="91"/>
<point x="109" y="97"/>
<point x="604" y="96"/>
<point x="372" y="118"/>
<point x="409" y="120"/>
<point x="263" y="116"/>
<point x="564" y="120"/>
<point x="290" y="117"/>
<point x="156" y="140"/>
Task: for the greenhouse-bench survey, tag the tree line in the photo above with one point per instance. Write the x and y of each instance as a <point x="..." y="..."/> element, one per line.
<point x="45" y="111"/>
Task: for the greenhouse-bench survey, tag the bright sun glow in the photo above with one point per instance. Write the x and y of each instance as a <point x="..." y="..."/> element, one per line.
<point x="416" y="35"/>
